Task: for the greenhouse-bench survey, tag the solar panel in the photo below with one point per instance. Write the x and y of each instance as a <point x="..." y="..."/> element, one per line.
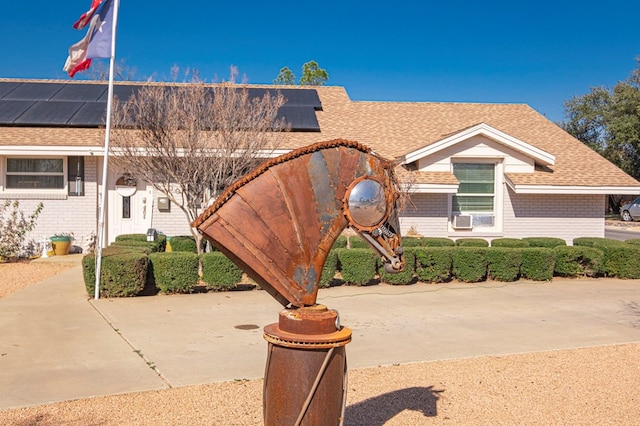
<point x="84" y="105"/>
<point x="121" y="92"/>
<point x="49" y="113"/>
<point x="10" y="110"/>
<point x="80" y="92"/>
<point x="34" y="91"/>
<point x="90" y="114"/>
<point x="300" y="118"/>
<point x="7" y="86"/>
<point x="294" y="97"/>
<point x="302" y="97"/>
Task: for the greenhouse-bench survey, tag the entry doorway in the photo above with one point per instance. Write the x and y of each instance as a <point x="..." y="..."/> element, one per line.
<point x="129" y="206"/>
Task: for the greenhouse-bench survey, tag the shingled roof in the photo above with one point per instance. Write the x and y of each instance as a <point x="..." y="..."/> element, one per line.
<point x="394" y="129"/>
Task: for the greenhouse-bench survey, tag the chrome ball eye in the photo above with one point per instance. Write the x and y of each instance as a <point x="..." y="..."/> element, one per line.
<point x="367" y="204"/>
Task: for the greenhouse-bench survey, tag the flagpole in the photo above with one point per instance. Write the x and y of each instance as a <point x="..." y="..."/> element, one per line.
<point x="105" y="161"/>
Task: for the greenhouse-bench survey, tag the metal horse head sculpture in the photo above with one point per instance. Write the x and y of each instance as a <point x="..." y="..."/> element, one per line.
<point x="279" y="222"/>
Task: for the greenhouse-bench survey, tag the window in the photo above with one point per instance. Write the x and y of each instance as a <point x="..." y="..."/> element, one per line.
<point x="476" y="192"/>
<point x="35" y="173"/>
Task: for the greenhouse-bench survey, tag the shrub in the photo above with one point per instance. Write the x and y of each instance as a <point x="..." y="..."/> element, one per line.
<point x="356" y="242"/>
<point x="469" y="264"/>
<point x="131" y="237"/>
<point x="140" y="241"/>
<point x="405" y="277"/>
<point x="433" y="264"/>
<point x="548" y="242"/>
<point x="411" y="242"/>
<point x="620" y="258"/>
<point x="622" y="261"/>
<point x="184" y="243"/>
<point x="14" y="227"/>
<point x="537" y="263"/>
<point x="218" y="272"/>
<point x="596" y="242"/>
<point x="436" y="242"/>
<point x="139" y="246"/>
<point x="358" y="266"/>
<point x="472" y="242"/>
<point x="573" y="261"/>
<point x="509" y="242"/>
<point x="122" y="274"/>
<point x="504" y="263"/>
<point x="329" y="269"/>
<point x="174" y="272"/>
<point x="340" y="242"/>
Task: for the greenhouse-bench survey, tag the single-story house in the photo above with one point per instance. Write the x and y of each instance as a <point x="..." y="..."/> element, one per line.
<point x="472" y="169"/>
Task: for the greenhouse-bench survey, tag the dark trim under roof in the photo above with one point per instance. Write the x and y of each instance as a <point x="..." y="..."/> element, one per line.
<point x="60" y="104"/>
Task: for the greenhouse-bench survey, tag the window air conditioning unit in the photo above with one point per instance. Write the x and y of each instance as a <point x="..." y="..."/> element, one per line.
<point x="462" y="221"/>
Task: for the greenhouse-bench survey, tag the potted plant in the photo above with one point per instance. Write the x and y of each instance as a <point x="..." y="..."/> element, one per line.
<point x="61" y="243"/>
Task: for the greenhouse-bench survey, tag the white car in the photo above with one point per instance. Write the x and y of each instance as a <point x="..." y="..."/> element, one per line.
<point x="630" y="211"/>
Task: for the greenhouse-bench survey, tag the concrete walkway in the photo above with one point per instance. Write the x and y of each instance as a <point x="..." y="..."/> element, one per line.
<point x="58" y="344"/>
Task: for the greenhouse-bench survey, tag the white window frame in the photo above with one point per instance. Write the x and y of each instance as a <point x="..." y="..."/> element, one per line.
<point x="5" y="173"/>
<point x="497" y="196"/>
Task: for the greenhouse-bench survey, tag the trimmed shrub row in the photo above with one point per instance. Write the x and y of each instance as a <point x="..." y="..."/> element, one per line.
<point x="132" y="266"/>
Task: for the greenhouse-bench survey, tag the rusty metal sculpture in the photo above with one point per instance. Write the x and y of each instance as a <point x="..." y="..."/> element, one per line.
<point x="278" y="224"/>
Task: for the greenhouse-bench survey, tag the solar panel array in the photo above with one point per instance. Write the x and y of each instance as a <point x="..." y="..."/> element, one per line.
<point x="59" y="104"/>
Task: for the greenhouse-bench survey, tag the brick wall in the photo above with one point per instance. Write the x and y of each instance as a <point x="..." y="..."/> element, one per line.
<point x="563" y="216"/>
<point x="426" y="214"/>
<point x="66" y="214"/>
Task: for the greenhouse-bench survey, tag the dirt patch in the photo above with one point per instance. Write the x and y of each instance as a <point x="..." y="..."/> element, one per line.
<point x="18" y="275"/>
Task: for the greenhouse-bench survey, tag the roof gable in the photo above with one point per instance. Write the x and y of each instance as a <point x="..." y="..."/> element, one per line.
<point x="540" y="156"/>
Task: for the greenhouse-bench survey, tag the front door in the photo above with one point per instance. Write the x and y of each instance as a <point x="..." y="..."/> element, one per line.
<point x="127" y="206"/>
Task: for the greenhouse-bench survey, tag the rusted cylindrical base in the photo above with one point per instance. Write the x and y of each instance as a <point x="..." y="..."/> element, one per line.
<point x="305" y="377"/>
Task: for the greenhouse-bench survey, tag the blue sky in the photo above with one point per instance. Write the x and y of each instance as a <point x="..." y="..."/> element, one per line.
<point x="540" y="53"/>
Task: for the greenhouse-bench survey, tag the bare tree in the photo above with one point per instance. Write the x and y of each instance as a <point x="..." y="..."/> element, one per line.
<point x="192" y="140"/>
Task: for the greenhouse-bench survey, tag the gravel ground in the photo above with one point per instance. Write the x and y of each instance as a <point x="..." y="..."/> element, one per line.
<point x="599" y="385"/>
<point x="15" y="276"/>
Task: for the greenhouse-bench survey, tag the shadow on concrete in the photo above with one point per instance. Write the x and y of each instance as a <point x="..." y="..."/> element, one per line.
<point x="378" y="410"/>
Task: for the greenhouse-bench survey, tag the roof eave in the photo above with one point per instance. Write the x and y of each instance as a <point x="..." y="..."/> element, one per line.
<point x="540" y="156"/>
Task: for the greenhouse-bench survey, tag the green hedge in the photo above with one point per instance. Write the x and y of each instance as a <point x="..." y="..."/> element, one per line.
<point x="175" y="272"/>
<point x="620" y="258"/>
<point x="218" y="272"/>
<point x="357" y="266"/>
<point x="574" y="261"/>
<point x="538" y="263"/>
<point x="469" y="264"/>
<point x="184" y="243"/>
<point x="433" y="264"/>
<point x="509" y="242"/>
<point x="472" y="242"/>
<point x="401" y="278"/>
<point x="140" y="241"/>
<point x="548" y="242"/>
<point x="356" y="242"/>
<point x="437" y="242"/>
<point x="411" y="242"/>
<point x="504" y="263"/>
<point x="340" y="242"/>
<point x="329" y="269"/>
<point x="121" y="275"/>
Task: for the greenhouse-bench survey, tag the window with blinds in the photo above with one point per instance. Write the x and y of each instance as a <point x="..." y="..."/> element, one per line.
<point x="476" y="192"/>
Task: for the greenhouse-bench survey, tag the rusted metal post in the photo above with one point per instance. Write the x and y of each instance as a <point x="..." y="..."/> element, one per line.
<point x="305" y="376"/>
